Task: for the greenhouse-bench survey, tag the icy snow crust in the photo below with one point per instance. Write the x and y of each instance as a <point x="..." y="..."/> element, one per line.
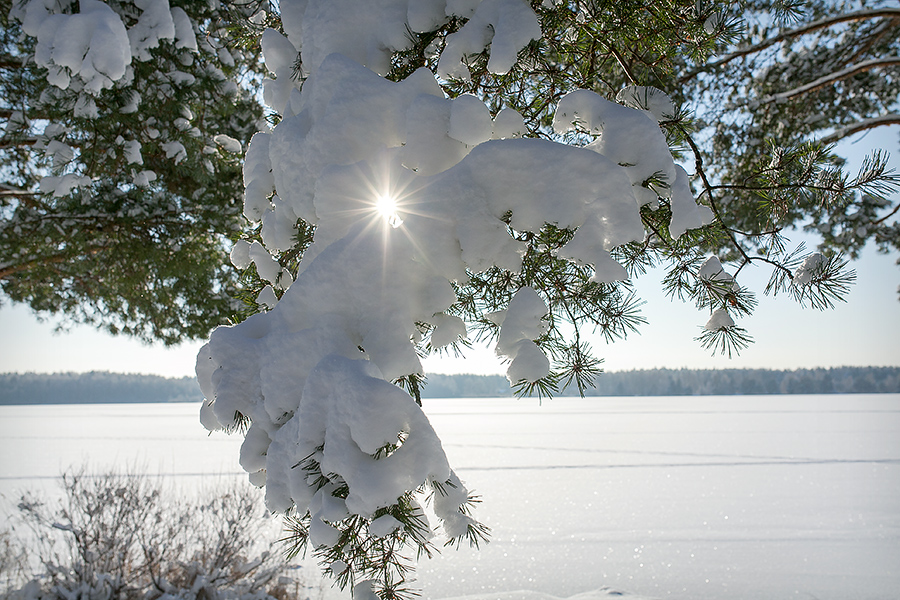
<point x="313" y="373"/>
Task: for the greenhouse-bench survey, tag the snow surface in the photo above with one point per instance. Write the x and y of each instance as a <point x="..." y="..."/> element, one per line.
<point x="630" y="493"/>
<point x="601" y="594"/>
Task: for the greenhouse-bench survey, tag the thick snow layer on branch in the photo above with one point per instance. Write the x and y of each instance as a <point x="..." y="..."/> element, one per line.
<point x="154" y="24"/>
<point x="470" y="121"/>
<point x="92" y="44"/>
<point x="369" y="32"/>
<point x="352" y="411"/>
<point x="506" y="25"/>
<point x="409" y="192"/>
<point x="366" y="32"/>
<point x="628" y="137"/>
<point x="280" y="55"/>
<point x="184" y="29"/>
<point x="427" y="15"/>
<point x="267" y="267"/>
<point x="332" y="161"/>
<point x="313" y="373"/>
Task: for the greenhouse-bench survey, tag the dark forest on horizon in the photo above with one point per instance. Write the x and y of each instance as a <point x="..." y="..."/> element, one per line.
<point x="100" y="387"/>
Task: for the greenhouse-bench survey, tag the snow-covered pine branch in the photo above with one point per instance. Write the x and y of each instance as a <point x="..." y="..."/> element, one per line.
<point x="411" y="194"/>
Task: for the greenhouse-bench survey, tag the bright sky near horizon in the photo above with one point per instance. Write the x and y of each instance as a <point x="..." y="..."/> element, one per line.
<point x="864" y="331"/>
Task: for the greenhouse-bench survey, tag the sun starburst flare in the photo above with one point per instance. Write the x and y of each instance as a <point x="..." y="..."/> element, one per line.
<point x="386" y="206"/>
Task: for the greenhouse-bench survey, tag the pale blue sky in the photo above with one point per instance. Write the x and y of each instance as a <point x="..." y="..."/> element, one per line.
<point x="864" y="331"/>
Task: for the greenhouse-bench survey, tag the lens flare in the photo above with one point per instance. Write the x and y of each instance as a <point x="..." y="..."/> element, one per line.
<point x="387" y="207"/>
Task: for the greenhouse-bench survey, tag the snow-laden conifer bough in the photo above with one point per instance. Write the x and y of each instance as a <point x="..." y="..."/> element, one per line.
<point x="409" y="192"/>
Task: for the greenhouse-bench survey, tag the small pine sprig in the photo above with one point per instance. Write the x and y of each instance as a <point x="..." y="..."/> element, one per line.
<point x="362" y="553"/>
<point x="821" y="281"/>
<point x="545" y="387"/>
<point x="580" y="367"/>
<point x="726" y="340"/>
<point x="816" y="279"/>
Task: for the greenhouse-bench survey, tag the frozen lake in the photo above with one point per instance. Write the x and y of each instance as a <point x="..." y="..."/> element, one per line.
<point x="750" y="497"/>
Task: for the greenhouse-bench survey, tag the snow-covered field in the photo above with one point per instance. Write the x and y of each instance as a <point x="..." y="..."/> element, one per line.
<point x="693" y="498"/>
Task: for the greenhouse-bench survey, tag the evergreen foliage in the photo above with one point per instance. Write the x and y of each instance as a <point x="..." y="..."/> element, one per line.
<point x="761" y="145"/>
<point x="761" y="91"/>
<point x="116" y="205"/>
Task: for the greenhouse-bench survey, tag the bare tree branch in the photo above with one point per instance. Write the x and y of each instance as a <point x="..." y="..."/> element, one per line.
<point x="832" y="78"/>
<point x="4" y="144"/>
<point x="839" y="134"/>
<point x="8" y="190"/>
<point x="862" y="15"/>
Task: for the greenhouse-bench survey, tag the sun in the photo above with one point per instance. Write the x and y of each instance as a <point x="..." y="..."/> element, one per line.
<point x="386" y="206"/>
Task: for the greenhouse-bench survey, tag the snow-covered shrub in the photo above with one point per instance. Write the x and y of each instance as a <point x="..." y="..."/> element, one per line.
<point x="120" y="536"/>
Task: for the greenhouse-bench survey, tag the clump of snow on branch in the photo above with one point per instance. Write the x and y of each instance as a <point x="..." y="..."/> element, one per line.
<point x="712" y="270"/>
<point x="686" y="213"/>
<point x="506" y="25"/>
<point x="88" y="50"/>
<point x="650" y="99"/>
<point x="313" y="374"/>
<point x="811" y="267"/>
<point x="92" y="44"/>
<point x="720" y="319"/>
<point x="520" y="324"/>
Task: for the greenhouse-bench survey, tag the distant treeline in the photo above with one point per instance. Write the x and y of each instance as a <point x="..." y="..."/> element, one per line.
<point x="694" y="382"/>
<point x="96" y="387"/>
<point x="726" y="382"/>
<point x="104" y="387"/>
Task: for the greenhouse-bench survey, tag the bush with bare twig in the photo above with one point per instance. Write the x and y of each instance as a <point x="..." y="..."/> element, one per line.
<point x="120" y="537"/>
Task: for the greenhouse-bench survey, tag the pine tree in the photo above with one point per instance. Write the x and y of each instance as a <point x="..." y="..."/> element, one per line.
<point x="118" y="195"/>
